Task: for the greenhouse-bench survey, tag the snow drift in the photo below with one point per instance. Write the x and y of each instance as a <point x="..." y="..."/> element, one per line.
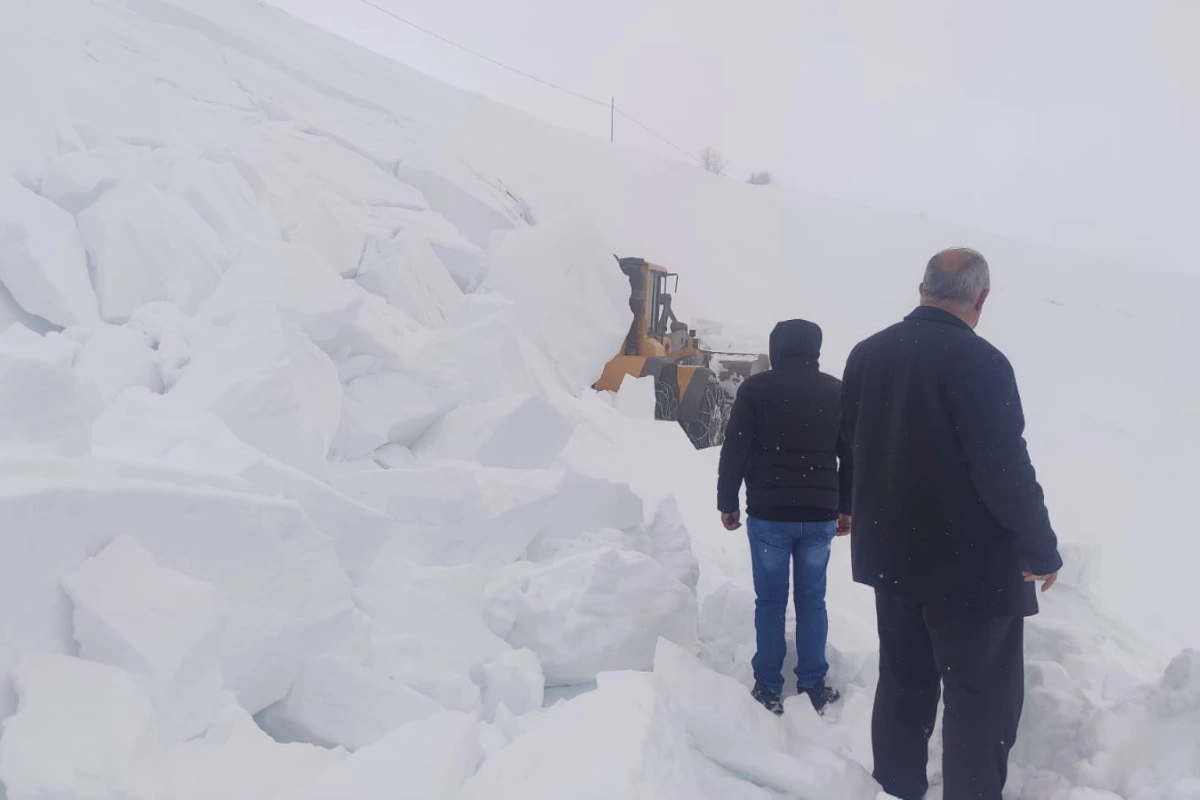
<point x="305" y="493"/>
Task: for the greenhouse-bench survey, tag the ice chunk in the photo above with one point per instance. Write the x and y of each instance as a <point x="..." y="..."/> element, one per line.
<point x="42" y="401"/>
<point x="405" y="271"/>
<point x="525" y="432"/>
<point x="620" y="742"/>
<point x="133" y="614"/>
<point x="572" y="300"/>
<point x="337" y="702"/>
<point x="292" y="278"/>
<point x="636" y="398"/>
<point x="600" y="610"/>
<point x="42" y="261"/>
<point x="144" y="245"/>
<point x="515" y="679"/>
<point x="276" y="576"/>
<point x="116" y="358"/>
<point x="271" y="385"/>
<point x="423" y="760"/>
<point x="80" y="729"/>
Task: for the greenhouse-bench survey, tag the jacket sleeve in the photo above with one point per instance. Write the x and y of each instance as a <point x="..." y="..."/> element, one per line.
<point x="735" y="452"/>
<point x="991" y="426"/>
<point x="845" y="445"/>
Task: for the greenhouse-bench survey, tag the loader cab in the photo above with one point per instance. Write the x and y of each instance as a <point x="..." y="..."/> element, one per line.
<point x="654" y="331"/>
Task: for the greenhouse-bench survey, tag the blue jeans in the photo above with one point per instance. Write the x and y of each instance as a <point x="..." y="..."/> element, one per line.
<point x="775" y="549"/>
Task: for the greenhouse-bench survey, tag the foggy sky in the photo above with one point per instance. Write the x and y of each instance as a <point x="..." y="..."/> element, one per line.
<point x="1074" y="123"/>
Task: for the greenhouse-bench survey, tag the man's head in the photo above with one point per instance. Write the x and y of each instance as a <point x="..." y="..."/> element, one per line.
<point x="957" y="281"/>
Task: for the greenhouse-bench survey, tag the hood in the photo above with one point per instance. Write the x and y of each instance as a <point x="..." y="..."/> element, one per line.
<point x="795" y="343"/>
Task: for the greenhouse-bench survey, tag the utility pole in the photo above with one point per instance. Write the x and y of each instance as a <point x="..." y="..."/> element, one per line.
<point x="612" y="120"/>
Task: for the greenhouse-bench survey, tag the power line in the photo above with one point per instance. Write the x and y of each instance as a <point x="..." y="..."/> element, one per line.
<point x="610" y="104"/>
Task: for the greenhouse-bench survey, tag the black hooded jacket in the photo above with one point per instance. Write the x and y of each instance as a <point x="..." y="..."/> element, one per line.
<point x="783" y="436"/>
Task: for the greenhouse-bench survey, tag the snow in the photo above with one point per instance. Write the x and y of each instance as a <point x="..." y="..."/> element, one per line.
<point x="42" y="262"/>
<point x="150" y="621"/>
<point x="305" y="492"/>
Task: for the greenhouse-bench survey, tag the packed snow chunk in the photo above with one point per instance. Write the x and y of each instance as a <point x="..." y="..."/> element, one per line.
<point x="277" y="577"/>
<point x="171" y="334"/>
<point x="273" y="387"/>
<point x="587" y="505"/>
<point x="292" y="278"/>
<point x="521" y="432"/>
<point x="393" y="406"/>
<point x="42" y="260"/>
<point x="619" y="742"/>
<point x="404" y="270"/>
<point x="336" y="702"/>
<point x="636" y="398"/>
<point x="424" y="760"/>
<point x="461" y="514"/>
<point x="514" y="679"/>
<point x="598" y="611"/>
<point x="484" y="344"/>
<point x="145" y="245"/>
<point x="80" y="730"/>
<point x="76" y="179"/>
<point x="42" y="401"/>
<point x="572" y="299"/>
<point x="116" y="358"/>
<point x="671" y="545"/>
<point x="132" y="613"/>
<point x="728" y="726"/>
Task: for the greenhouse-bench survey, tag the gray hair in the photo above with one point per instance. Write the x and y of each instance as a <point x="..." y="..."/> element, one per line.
<point x="959" y="275"/>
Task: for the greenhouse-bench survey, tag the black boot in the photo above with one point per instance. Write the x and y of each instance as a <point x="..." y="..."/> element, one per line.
<point x="821" y="695"/>
<point x="769" y="700"/>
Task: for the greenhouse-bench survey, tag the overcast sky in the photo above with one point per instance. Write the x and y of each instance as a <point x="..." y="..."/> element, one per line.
<point x="1070" y="122"/>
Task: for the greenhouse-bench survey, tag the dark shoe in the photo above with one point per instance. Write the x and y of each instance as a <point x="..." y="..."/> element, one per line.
<point x="822" y="696"/>
<point x="769" y="700"/>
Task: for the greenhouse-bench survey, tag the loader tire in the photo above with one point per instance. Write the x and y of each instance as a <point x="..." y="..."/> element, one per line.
<point x="707" y="427"/>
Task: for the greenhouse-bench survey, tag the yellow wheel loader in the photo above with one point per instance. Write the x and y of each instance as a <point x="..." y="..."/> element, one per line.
<point x="692" y="386"/>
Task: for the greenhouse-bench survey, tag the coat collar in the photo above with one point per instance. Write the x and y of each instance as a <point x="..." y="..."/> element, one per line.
<point x="931" y="314"/>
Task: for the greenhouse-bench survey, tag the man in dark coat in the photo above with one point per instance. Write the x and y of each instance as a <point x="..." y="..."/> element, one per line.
<point x="783" y="441"/>
<point x="951" y="531"/>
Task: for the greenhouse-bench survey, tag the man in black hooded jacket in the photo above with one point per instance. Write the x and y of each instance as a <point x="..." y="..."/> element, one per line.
<point x="783" y="442"/>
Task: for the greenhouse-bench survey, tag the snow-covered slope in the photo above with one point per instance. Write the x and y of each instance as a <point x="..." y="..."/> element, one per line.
<point x="305" y="495"/>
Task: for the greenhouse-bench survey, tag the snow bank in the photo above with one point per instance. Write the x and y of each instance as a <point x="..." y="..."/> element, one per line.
<point x="572" y="299"/>
<point x="521" y="432"/>
<point x="133" y="614"/>
<point x="42" y="262"/>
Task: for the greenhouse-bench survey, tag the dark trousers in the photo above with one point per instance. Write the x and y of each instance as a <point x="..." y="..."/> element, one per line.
<point x="980" y="661"/>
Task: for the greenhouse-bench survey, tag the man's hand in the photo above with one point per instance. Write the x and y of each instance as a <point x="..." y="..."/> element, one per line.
<point x="843" y="525"/>
<point x="1047" y="580"/>
<point x="732" y="520"/>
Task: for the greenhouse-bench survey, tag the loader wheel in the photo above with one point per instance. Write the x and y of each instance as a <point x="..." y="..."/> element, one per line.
<point x="707" y="429"/>
<point x="666" y="401"/>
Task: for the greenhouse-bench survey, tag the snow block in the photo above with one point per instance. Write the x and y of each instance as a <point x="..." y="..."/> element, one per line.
<point x="451" y="515"/>
<point x="113" y="359"/>
<point x="145" y="245"/>
<point x="514" y="679"/>
<point x="149" y="621"/>
<point x="523" y="432"/>
<point x="276" y="576"/>
<point x="404" y="270"/>
<point x="273" y="387"/>
<point x="423" y="760"/>
<point x="394" y="406"/>
<point x="292" y="278"/>
<point x="620" y="742"/>
<point x="42" y="400"/>
<point x="42" y="260"/>
<point x="586" y="505"/>
<point x="636" y="398"/>
<point x="598" y="611"/>
<point x="572" y="300"/>
<point x="80" y="729"/>
<point x="336" y="702"/>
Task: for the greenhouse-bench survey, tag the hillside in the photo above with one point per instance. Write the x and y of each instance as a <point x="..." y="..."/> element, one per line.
<point x="306" y="495"/>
